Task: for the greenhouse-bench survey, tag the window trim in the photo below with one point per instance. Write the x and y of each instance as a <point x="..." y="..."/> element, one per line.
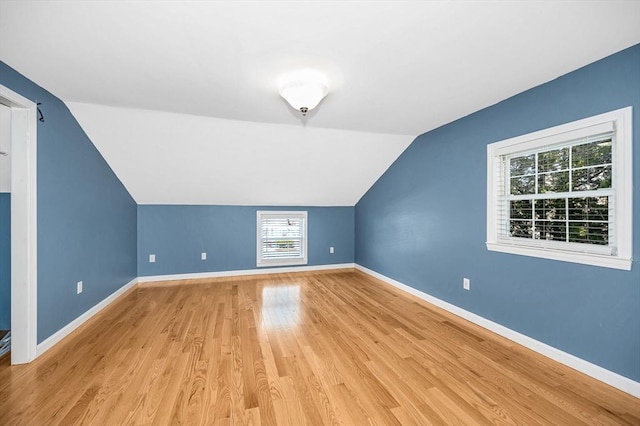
<point x="260" y="262"/>
<point x="622" y="169"/>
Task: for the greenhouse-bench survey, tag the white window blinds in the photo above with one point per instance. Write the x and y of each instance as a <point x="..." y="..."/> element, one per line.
<point x="281" y="238"/>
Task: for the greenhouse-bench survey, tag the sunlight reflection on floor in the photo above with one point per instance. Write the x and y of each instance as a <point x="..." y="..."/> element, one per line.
<point x="281" y="306"/>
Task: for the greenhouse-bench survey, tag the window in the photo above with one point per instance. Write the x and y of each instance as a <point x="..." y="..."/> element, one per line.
<point x="564" y="193"/>
<point x="281" y="238"/>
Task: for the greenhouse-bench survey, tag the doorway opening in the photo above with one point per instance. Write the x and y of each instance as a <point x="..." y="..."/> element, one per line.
<point x="23" y="245"/>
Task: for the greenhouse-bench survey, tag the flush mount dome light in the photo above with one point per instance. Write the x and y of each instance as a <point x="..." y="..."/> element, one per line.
<point x="303" y="89"/>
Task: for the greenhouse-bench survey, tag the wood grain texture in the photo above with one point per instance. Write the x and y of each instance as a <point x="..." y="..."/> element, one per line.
<point x="319" y="348"/>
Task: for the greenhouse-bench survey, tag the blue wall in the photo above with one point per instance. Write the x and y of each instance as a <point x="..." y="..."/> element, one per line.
<point x="177" y="234"/>
<point x="424" y="224"/>
<point x="5" y="261"/>
<point x="86" y="218"/>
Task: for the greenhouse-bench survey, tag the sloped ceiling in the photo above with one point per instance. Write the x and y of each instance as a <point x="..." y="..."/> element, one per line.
<point x="396" y="69"/>
<point x="171" y="158"/>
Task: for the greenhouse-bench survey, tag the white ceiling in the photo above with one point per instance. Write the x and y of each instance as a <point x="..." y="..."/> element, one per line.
<point x="235" y="162"/>
<point x="394" y="68"/>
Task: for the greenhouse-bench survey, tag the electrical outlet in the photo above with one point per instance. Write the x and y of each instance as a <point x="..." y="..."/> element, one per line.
<point x="79" y="287"/>
<point x="152" y="258"/>
<point x="331" y="250"/>
<point x="203" y="256"/>
<point x="466" y="283"/>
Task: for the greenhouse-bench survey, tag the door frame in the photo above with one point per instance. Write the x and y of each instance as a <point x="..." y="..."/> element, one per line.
<point x="24" y="235"/>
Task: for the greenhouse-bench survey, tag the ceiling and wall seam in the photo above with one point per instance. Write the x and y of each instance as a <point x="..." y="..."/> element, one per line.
<point x="200" y="81"/>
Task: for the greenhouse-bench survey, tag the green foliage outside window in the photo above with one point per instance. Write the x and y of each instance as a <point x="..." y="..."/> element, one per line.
<point x="584" y="167"/>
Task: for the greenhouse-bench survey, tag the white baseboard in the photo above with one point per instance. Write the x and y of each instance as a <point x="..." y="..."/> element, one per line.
<point x="261" y="271"/>
<point x="609" y="377"/>
<point x="69" y="328"/>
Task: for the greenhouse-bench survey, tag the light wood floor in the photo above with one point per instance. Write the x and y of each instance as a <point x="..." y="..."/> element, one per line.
<point x="314" y="348"/>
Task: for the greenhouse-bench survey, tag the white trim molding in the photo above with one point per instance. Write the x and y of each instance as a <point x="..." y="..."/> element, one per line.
<point x="262" y="271"/>
<point x="73" y="325"/>
<point x="24" y="232"/>
<point x="609" y="377"/>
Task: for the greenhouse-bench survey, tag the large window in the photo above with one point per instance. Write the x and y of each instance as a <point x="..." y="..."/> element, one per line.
<point x="564" y="193"/>
<point x="281" y="238"/>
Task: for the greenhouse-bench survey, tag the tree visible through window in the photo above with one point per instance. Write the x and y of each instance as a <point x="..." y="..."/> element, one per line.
<point x="572" y="185"/>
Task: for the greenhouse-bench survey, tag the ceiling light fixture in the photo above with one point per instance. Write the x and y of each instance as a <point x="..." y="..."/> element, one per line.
<point x="303" y="89"/>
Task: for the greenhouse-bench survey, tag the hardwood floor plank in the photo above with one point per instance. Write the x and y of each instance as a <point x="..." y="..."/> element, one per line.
<point x="263" y="388"/>
<point x="317" y="348"/>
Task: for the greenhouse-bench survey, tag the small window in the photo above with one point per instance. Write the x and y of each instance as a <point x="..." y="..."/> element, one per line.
<point x="281" y="238"/>
<point x="564" y="193"/>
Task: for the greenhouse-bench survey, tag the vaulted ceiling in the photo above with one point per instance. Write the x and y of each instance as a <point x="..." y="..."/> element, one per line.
<point x="181" y="97"/>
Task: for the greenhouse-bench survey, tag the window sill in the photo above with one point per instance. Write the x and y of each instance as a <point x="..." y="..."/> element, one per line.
<point x="583" y="258"/>
<point x="281" y="262"/>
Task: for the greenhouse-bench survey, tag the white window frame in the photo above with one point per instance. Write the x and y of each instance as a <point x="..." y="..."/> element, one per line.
<point x="622" y="162"/>
<point x="262" y="262"/>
